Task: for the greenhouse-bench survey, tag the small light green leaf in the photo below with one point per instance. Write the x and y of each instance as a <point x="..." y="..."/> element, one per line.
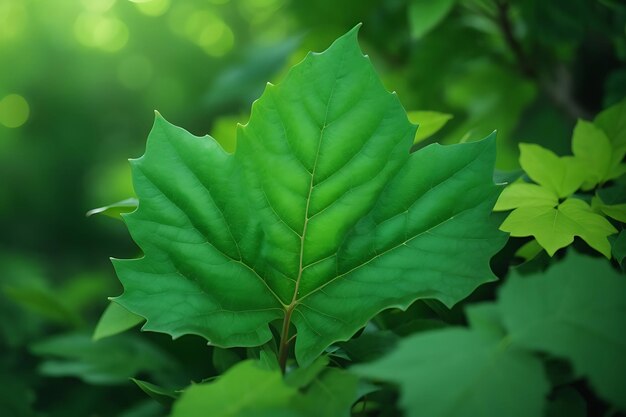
<point x="459" y="372"/>
<point x="321" y="218"/>
<point x="115" y="210"/>
<point x="115" y="319"/>
<point x="613" y="122"/>
<point x="525" y="195"/>
<point x="162" y="395"/>
<point x="430" y="122"/>
<point x="562" y="175"/>
<point x="591" y="146"/>
<point x="245" y="390"/>
<point x="576" y="310"/>
<point x="529" y="250"/>
<point x="555" y="228"/>
<point x="424" y="15"/>
<point x="615" y="211"/>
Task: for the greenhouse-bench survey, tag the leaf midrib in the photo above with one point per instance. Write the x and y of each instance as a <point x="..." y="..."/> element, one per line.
<point x="294" y="299"/>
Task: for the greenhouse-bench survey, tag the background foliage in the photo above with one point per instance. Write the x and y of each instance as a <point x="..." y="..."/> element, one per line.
<point x="79" y="81"/>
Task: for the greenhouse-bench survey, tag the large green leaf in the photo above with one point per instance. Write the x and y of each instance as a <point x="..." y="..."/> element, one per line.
<point x="459" y="372"/>
<point x="576" y="310"/>
<point x="321" y="218"/>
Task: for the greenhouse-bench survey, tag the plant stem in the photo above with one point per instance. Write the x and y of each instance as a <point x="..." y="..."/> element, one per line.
<point x="283" y="350"/>
<point x="558" y="87"/>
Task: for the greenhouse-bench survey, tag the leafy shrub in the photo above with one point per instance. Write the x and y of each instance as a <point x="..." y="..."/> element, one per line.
<point x="305" y="256"/>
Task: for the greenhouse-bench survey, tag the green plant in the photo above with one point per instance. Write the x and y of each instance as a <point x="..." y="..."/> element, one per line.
<point x="556" y="208"/>
<point x="322" y="223"/>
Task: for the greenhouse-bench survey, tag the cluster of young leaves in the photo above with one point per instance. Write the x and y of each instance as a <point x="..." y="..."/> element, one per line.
<point x="575" y="311"/>
<point x="558" y="204"/>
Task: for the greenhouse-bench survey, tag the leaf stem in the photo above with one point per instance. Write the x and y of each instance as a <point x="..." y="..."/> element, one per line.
<point x="285" y="340"/>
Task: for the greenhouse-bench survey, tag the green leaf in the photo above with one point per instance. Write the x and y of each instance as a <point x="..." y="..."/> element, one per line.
<point x="567" y="402"/>
<point x="108" y="361"/>
<point x="245" y="390"/>
<point x="242" y="81"/>
<point x="42" y="301"/>
<point x="485" y="317"/>
<point x="459" y="372"/>
<point x="577" y="311"/>
<point x="424" y="15"/>
<point x="330" y="395"/>
<point x="555" y="228"/>
<point x="321" y="218"/>
<point x="592" y="147"/>
<point x="529" y="250"/>
<point x="224" y="359"/>
<point x="613" y="122"/>
<point x="115" y="210"/>
<point x="115" y="319"/>
<point x="618" y="248"/>
<point x="248" y="389"/>
<point x="146" y="408"/>
<point x="430" y="122"/>
<point x="370" y="346"/>
<point x="162" y="395"/>
<point x="303" y="376"/>
<point x="562" y="175"/>
<point x="525" y="195"/>
<point x="614" y="211"/>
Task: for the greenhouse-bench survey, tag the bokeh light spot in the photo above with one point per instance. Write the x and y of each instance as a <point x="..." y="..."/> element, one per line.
<point x="98" y="31"/>
<point x="135" y="72"/>
<point x="14" y="111"/>
<point x="210" y="32"/>
<point x="98" y="6"/>
<point x="12" y="19"/>
<point x="259" y="10"/>
<point x="152" y="7"/>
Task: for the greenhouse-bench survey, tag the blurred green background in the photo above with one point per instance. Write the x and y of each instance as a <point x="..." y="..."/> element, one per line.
<point x="79" y="80"/>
